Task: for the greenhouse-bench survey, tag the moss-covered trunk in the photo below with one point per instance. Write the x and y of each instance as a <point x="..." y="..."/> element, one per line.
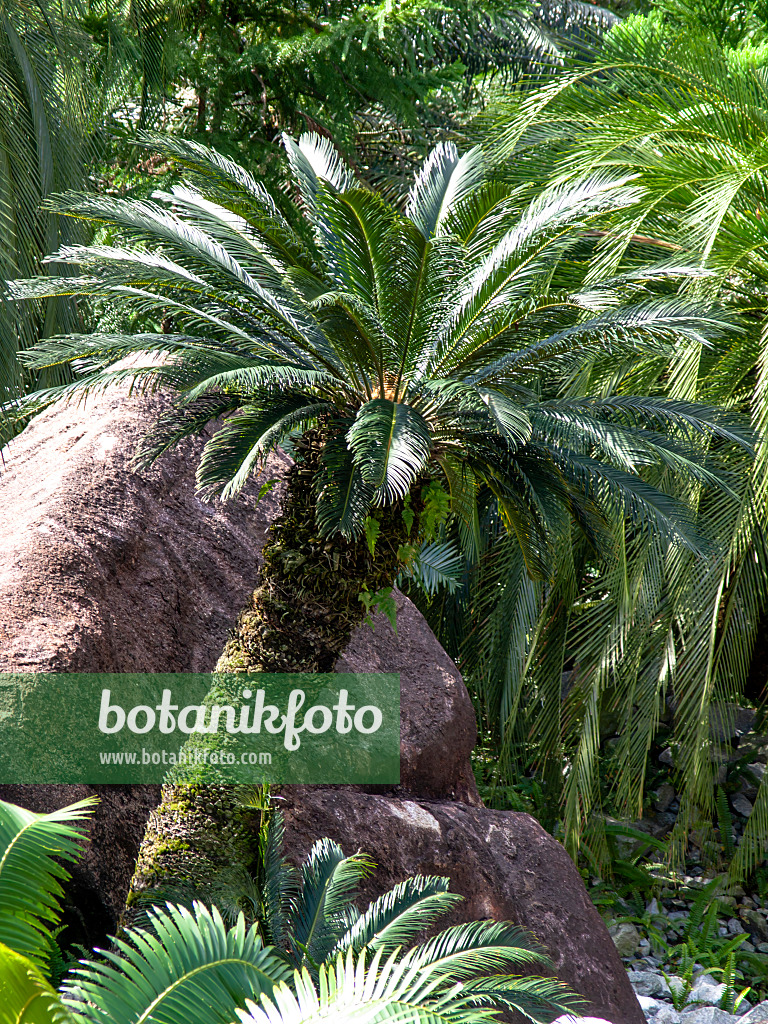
<point x="299" y="619"/>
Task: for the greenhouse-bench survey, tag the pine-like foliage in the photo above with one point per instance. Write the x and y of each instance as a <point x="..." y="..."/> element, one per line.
<point x="46" y="109"/>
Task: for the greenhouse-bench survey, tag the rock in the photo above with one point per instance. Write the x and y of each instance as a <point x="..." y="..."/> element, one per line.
<point x="626" y="938"/>
<point x="504" y="863"/>
<point x="756" y="924"/>
<point x="665" y="794"/>
<point x="107" y="570"/>
<point x="709" y="1015"/>
<point x="757" y="1015"/>
<point x="741" y="805"/>
<point x="734" y="926"/>
<point x="728" y="721"/>
<point x="648" y="983"/>
<point x="666" y="756"/>
<point x="103" y="569"/>
<point x="653" y="907"/>
<point x="706" y="990"/>
<point x="437" y="720"/>
<point x="650" y="1007"/>
<point x="668" y="1015"/>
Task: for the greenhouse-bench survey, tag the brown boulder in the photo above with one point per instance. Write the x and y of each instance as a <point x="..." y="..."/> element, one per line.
<point x="504" y="864"/>
<point x="437" y="721"/>
<point x="107" y="570"/>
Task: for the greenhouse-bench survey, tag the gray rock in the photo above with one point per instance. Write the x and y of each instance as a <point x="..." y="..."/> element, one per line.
<point x="729" y="721"/>
<point x="666" y="756"/>
<point x="668" y="1015"/>
<point x="756" y="924"/>
<point x="741" y="805"/>
<point x="650" y="1007"/>
<point x="626" y="938"/>
<point x="665" y="794"/>
<point x="709" y="1015"/>
<point x="735" y="927"/>
<point x="757" y="1015"/>
<point x="648" y="983"/>
<point x="653" y="907"/>
<point x="706" y="990"/>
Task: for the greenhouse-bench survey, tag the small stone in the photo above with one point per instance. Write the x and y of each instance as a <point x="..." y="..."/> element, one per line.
<point x="653" y="907"/>
<point x="741" y="805"/>
<point x="756" y="924"/>
<point x="709" y="1015"/>
<point x="762" y="947"/>
<point x="666" y="756"/>
<point x="735" y="927"/>
<point x="647" y="983"/>
<point x="649" y="1006"/>
<point x="668" y="1015"/>
<point x="626" y="938"/>
<point x="665" y="794"/>
<point x="707" y="990"/>
<point x="757" y="1015"/>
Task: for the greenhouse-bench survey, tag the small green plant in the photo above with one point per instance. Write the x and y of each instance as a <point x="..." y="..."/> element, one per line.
<point x="372" y="530"/>
<point x="380" y="601"/>
<point x="731" y="1000"/>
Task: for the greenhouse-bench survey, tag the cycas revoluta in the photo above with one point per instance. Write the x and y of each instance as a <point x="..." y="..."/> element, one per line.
<point x="190" y="966"/>
<point x="408" y="355"/>
<point x="684" y="120"/>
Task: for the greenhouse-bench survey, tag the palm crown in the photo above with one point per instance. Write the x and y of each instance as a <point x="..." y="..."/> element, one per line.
<point x="444" y="340"/>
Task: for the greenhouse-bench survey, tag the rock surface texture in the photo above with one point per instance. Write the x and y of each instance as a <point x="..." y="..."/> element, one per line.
<point x="503" y="863"/>
<point x="103" y="569"/>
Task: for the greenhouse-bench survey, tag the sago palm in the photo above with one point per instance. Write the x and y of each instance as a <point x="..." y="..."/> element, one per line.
<point x="189" y="966"/>
<point x="685" y="122"/>
<point x="412" y="358"/>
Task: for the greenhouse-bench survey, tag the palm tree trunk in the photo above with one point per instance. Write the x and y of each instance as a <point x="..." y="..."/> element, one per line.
<point x="299" y="619"/>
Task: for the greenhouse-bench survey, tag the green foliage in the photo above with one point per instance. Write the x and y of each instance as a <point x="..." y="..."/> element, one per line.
<point x="380" y="601"/>
<point x="648" y="643"/>
<point x="47" y="109"/>
<point x="31" y="872"/>
<point x="430" y="343"/>
<point x="190" y="967"/>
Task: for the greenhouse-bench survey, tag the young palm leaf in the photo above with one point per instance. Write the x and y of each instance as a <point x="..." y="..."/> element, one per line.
<point x="30" y="877"/>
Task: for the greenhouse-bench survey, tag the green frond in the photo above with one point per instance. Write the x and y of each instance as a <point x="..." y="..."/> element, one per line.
<point x="188" y="960"/>
<point x="25" y="995"/>
<point x="329" y="880"/>
<point x="31" y="872"/>
<point x="400" y="915"/>
<point x="390" y="444"/>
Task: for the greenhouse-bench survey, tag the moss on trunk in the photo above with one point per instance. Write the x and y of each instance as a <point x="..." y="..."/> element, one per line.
<point x="299" y="619"/>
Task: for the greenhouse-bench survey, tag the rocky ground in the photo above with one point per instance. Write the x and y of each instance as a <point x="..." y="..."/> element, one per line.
<point x="696" y="951"/>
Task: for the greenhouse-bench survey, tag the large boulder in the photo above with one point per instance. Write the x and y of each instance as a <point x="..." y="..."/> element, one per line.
<point x="104" y="569"/>
<point x="504" y="864"/>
